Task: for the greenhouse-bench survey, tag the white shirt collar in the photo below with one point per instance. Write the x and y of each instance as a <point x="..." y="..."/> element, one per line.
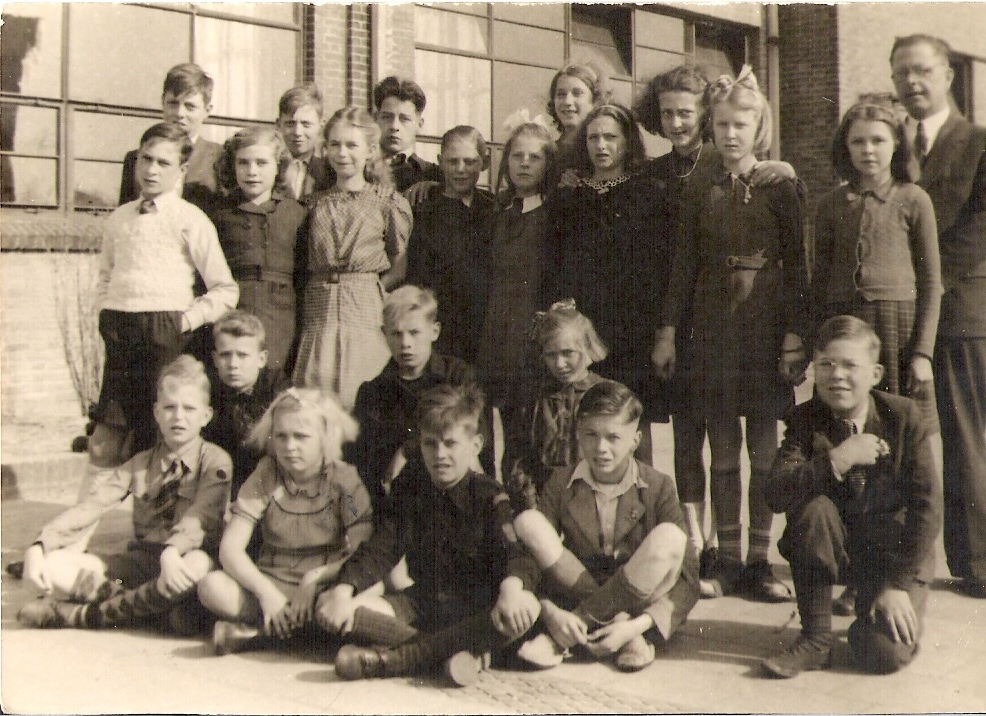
<point x="530" y="203"/>
<point x="932" y="126"/>
<point x="631" y="478"/>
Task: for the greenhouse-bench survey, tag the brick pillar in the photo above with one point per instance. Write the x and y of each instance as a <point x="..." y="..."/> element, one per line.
<point x="328" y="53"/>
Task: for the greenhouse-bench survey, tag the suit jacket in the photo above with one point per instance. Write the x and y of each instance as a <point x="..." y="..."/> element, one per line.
<point x="319" y="176"/>
<point x="571" y="510"/>
<point x="201" y="185"/>
<point x="896" y="521"/>
<point x="954" y="175"/>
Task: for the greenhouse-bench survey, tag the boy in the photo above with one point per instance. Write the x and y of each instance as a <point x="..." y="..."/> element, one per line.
<point x="299" y="120"/>
<point x="185" y="100"/>
<point x="857" y="479"/>
<point x="399" y="104"/>
<point x="453" y="525"/>
<point x="153" y="248"/>
<point x="180" y="488"/>
<point x="244" y="389"/>
<point x="385" y="406"/>
<point x="624" y="571"/>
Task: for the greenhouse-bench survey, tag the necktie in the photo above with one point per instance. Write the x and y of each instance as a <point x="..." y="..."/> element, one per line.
<point x="920" y="143"/>
<point x="147" y="207"/>
<point x="167" y="497"/>
<point x="298" y="184"/>
<point x="856" y="475"/>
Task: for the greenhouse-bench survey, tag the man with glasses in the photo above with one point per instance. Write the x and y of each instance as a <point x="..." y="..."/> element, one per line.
<point x="952" y="153"/>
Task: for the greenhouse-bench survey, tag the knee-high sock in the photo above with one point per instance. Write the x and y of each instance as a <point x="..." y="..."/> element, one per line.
<point x="727" y="499"/>
<point x="378" y="629"/>
<point x="761" y="518"/>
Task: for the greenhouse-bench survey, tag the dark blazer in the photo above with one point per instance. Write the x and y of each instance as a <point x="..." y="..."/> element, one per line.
<point x="900" y="513"/>
<point x="954" y="175"/>
<point x="201" y="185"/>
<point x="571" y="510"/>
<point x="320" y="176"/>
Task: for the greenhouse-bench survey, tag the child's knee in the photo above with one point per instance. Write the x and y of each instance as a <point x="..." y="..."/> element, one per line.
<point x="199" y="564"/>
<point x="216" y="590"/>
<point x="664" y="543"/>
<point x="874" y="650"/>
<point x="540" y="538"/>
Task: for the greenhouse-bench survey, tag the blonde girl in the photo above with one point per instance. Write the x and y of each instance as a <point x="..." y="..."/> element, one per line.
<point x="542" y="438"/>
<point x="739" y="270"/>
<point x="357" y="239"/>
<point x="312" y="510"/>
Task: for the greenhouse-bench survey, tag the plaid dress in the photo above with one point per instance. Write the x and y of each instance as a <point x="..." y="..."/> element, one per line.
<point x="351" y="240"/>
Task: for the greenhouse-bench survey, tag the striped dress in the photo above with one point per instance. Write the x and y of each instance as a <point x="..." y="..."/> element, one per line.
<point x="351" y="240"/>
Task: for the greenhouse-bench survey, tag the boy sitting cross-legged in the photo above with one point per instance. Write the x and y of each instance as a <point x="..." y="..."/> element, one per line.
<point x="623" y="580"/>
<point x="858" y="481"/>
<point x="453" y="525"/>
<point x="180" y="489"/>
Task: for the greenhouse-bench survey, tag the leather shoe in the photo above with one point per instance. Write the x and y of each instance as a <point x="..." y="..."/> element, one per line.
<point x="541" y="652"/>
<point x="48" y="614"/>
<point x="231" y="637"/>
<point x="358" y="662"/>
<point x="845" y="605"/>
<point x="464" y="667"/>
<point x="636" y="654"/>
<point x="805" y="654"/>
<point x="758" y="582"/>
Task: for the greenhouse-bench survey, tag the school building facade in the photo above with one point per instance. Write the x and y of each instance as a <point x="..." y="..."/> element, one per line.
<point x="80" y="82"/>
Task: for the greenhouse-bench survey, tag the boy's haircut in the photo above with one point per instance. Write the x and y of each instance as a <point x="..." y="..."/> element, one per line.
<point x="744" y="93"/>
<point x="409" y="299"/>
<point x="404" y="89"/>
<point x="848" y="328"/>
<point x="169" y="132"/>
<point x="610" y="399"/>
<point x="564" y="314"/>
<point x="186" y="370"/>
<point x="938" y="45"/>
<point x="186" y="79"/>
<point x="376" y="170"/>
<point x="873" y="109"/>
<point x="683" y="78"/>
<point x="529" y="129"/>
<point x="444" y="406"/>
<point x="240" y="324"/>
<point x="247" y="138"/>
<point x="338" y="426"/>
<point x="469" y="134"/>
<point x="589" y="75"/>
<point x="636" y="155"/>
<point x="306" y="95"/>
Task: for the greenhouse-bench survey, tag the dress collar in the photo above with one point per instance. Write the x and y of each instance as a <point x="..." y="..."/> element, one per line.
<point x="309" y="489"/>
<point x="882" y="192"/>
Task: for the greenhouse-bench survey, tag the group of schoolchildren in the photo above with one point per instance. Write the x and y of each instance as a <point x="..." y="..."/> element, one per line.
<point x="364" y="501"/>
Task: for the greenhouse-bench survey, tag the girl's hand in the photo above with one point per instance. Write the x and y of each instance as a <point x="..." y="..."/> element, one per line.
<point x="419" y="192"/>
<point x="569" y="179"/>
<point x="771" y="172"/>
<point x="919" y="377"/>
<point x="36" y="568"/>
<point x="794" y="359"/>
<point x="610" y="638"/>
<point x="663" y="356"/>
<point x="274" y="605"/>
<point x="336" y="609"/>
<point x="301" y="608"/>
<point x="564" y="626"/>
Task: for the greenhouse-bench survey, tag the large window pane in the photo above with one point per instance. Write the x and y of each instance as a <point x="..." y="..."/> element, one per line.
<point x="97" y="184"/>
<point x="263" y="11"/>
<point x="458" y="89"/>
<point x="528" y="44"/>
<point x="33" y="182"/>
<point x="518" y="87"/>
<point x="540" y="14"/>
<point x="28" y="130"/>
<point x="654" y="62"/>
<point x="603" y="35"/>
<point x="452" y="30"/>
<point x="659" y="31"/>
<point x="119" y="54"/>
<point x="252" y="66"/>
<point x="31" y="51"/>
<point x="722" y="50"/>
<point x="106" y="136"/>
<point x="218" y="133"/>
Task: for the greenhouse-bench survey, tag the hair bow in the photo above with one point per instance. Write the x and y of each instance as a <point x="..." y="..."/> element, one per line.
<point x="724" y="84"/>
<point x="523" y="116"/>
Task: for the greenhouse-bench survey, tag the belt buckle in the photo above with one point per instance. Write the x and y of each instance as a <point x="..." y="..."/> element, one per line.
<point x="332" y="277"/>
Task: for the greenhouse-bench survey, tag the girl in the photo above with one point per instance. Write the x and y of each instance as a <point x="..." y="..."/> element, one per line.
<point x="358" y="232"/>
<point x="542" y="437"/>
<point x="261" y="231"/>
<point x="614" y="236"/>
<point x="313" y="513"/>
<point x="674" y="106"/>
<point x="876" y="255"/>
<point x="514" y="260"/>
<point x="450" y="231"/>
<point x="739" y="265"/>
<point x="575" y="90"/>
<point x="876" y="249"/>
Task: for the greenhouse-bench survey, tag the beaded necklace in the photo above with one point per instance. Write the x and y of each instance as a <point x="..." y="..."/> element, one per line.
<point x="604" y="185"/>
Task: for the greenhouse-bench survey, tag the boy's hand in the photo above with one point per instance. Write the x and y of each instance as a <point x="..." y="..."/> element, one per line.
<point x="895" y="606"/>
<point x="418" y="192"/>
<point x="516" y="610"/>
<point x="919" y="378"/>
<point x="794" y="359"/>
<point x="301" y="607"/>
<point x="663" y="355"/>
<point x="564" y="626"/>
<point x="860" y="449"/>
<point x="336" y="609"/>
<point x="36" y="568"/>
<point x="771" y="172"/>
<point x="569" y="179"/>
<point x="610" y="638"/>
<point x="175" y="577"/>
<point x="277" y="621"/>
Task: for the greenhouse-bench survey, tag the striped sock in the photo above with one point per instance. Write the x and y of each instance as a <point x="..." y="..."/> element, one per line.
<point x="731" y="543"/>
<point x="759" y="544"/>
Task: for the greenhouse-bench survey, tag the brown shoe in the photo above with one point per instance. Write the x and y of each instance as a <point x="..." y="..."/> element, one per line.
<point x="758" y="582"/>
<point x="805" y="654"/>
<point x="231" y="637"/>
<point x="358" y="662"/>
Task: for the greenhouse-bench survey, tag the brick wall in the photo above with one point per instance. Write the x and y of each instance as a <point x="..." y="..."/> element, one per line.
<point x="358" y="56"/>
<point x="329" y="53"/>
<point x="809" y="69"/>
